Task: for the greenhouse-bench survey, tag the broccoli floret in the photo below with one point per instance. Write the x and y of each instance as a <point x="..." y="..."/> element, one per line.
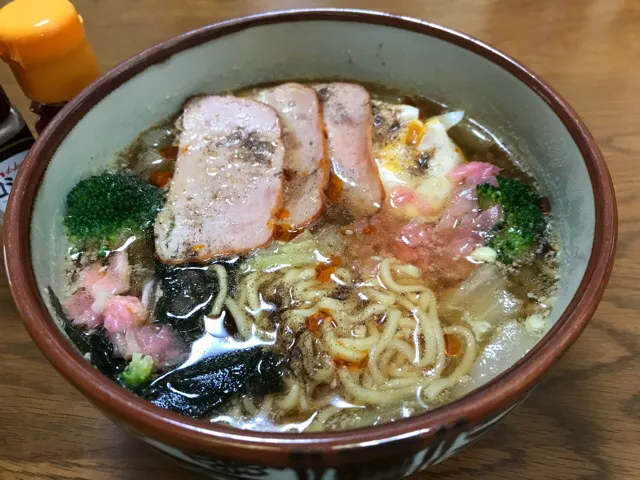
<point x="522" y="221"/>
<point x="104" y="210"/>
<point x="138" y="372"/>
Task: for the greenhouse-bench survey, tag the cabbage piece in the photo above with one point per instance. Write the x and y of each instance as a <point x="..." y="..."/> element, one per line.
<point x="480" y="328"/>
<point x="305" y="249"/>
<point x="509" y="344"/>
<point x="283" y="259"/>
<point x="536" y="323"/>
<point x="482" y="298"/>
<point x="295" y="253"/>
<point x="484" y="255"/>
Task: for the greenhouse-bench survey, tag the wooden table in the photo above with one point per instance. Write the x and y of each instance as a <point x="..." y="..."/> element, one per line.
<point x="582" y="423"/>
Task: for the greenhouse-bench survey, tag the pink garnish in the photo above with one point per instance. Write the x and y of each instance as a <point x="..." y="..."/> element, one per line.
<point x="443" y="247"/>
<point x="401" y="197"/>
<point x="158" y="341"/>
<point x="78" y="308"/>
<point x="97" y="301"/>
<point x="121" y="313"/>
<point x="475" y="173"/>
<point x="103" y="282"/>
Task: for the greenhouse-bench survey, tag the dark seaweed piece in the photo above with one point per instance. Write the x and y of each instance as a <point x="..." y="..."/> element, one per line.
<point x="78" y="338"/>
<point x="201" y="388"/>
<point x="187" y="296"/>
<point x="175" y="401"/>
<point x="102" y="354"/>
<point x="94" y="342"/>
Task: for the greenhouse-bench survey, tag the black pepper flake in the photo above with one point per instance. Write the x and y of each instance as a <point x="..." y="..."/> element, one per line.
<point x="248" y="146"/>
<point x="323" y="93"/>
<point x="341" y="292"/>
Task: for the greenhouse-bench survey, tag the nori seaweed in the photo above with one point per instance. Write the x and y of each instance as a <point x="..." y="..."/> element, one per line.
<point x="199" y="389"/>
<point x="187" y="296"/>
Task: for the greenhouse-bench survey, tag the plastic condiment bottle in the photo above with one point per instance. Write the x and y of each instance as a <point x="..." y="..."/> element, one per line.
<point x="15" y="141"/>
<point x="45" y="44"/>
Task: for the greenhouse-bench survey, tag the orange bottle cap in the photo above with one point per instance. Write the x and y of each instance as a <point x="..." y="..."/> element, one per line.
<point x="45" y="44"/>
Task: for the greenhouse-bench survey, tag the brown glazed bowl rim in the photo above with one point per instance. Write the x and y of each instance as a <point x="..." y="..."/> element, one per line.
<point x="281" y="449"/>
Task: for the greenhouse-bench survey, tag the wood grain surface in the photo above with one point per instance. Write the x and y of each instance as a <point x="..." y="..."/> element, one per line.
<point x="583" y="422"/>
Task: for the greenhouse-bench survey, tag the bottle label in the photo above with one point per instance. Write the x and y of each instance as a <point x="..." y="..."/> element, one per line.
<point x="8" y="170"/>
<point x="13" y="150"/>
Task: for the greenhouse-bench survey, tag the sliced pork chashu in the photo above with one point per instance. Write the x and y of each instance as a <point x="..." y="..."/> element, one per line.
<point x="306" y="166"/>
<point x="227" y="184"/>
<point x="348" y="119"/>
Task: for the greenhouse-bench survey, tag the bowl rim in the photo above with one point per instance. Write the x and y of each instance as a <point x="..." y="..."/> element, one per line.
<point x="280" y="449"/>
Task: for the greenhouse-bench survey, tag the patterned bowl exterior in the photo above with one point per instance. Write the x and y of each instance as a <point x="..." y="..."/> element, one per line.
<point x="445" y="442"/>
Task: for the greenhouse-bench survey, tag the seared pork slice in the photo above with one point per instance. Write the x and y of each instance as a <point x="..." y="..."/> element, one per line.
<point x="306" y="166"/>
<point x="348" y="119"/>
<point x="227" y="184"/>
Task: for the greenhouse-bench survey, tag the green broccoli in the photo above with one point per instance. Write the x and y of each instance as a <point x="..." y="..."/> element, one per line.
<point x="106" y="209"/>
<point x="138" y="371"/>
<point x="522" y="221"/>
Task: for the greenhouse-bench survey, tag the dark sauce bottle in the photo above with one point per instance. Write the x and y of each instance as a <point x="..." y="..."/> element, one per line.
<point x="44" y="43"/>
<point x="15" y="141"/>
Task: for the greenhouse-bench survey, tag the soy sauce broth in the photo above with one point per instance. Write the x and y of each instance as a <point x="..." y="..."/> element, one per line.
<point x="152" y="156"/>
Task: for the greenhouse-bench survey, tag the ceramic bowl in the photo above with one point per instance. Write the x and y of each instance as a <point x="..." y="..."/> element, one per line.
<point x="532" y="120"/>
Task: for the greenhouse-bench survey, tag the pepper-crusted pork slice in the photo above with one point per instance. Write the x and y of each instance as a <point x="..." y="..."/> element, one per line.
<point x="348" y="119"/>
<point x="306" y="166"/>
<point x="227" y="184"/>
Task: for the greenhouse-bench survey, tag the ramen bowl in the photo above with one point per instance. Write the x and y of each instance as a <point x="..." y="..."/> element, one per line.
<point x="418" y="58"/>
